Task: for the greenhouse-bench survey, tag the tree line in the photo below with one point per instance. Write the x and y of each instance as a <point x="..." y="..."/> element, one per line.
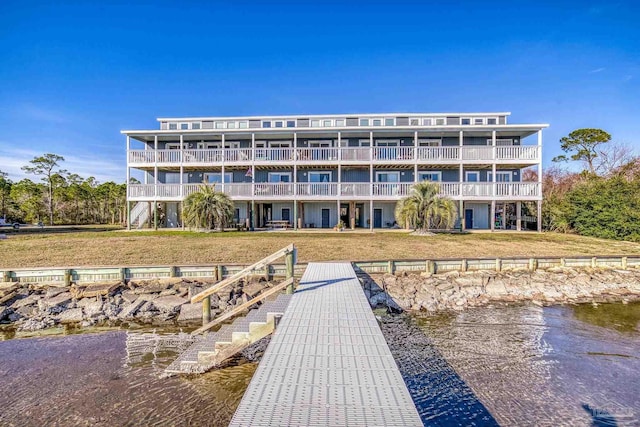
<point x="600" y="200"/>
<point x="57" y="196"/>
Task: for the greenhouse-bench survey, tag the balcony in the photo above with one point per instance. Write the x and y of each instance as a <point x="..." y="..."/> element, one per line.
<point x="344" y="190"/>
<point x="476" y="154"/>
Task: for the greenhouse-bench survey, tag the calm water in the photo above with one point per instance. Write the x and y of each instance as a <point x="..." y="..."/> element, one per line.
<point x="503" y="365"/>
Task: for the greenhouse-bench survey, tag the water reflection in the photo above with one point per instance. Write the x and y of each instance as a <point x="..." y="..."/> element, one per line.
<point x="541" y="366"/>
<point x="90" y="380"/>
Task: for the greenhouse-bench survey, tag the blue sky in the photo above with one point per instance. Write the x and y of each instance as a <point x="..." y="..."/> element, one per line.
<point x="75" y="73"/>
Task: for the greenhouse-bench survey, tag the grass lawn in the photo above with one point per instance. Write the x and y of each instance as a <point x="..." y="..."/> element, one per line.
<point x="120" y="248"/>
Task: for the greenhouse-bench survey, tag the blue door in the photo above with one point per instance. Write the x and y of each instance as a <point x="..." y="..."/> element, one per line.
<point x="377" y="218"/>
<point x="468" y="218"/>
<point x="325" y="218"/>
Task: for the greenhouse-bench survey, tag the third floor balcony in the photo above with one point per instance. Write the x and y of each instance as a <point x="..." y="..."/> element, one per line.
<point x="474" y="154"/>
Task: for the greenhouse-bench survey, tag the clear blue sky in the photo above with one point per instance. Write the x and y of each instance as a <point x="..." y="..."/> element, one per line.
<point x="74" y="74"/>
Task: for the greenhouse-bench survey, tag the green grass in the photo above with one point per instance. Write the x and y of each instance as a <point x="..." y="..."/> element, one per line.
<point x="121" y="248"/>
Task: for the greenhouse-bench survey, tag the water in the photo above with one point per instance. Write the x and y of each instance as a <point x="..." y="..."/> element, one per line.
<point x="517" y="365"/>
<point x="524" y="365"/>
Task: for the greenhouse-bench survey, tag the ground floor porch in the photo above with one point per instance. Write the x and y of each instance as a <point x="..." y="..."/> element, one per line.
<point x="344" y="214"/>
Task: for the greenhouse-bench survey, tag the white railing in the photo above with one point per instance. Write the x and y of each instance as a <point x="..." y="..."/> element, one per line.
<point x="356" y="154"/>
<point x="392" y="190"/>
<point x="279" y="189"/>
<point x="529" y="153"/>
<point x="393" y="153"/>
<point x="238" y="155"/>
<point x="395" y="189"/>
<point x="449" y="189"/>
<point x="317" y="154"/>
<point x="202" y="156"/>
<point x="273" y="154"/>
<point x="238" y="189"/>
<point x="438" y="153"/>
<point x="517" y="152"/>
<point x="517" y="189"/>
<point x="141" y="190"/>
<point x="355" y="189"/>
<point x="472" y="152"/>
<point x="476" y="189"/>
<point x="319" y="189"/>
<point x="169" y="156"/>
<point x="142" y="156"/>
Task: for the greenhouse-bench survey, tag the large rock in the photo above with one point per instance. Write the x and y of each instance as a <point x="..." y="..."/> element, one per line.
<point x="129" y="310"/>
<point x="74" y="315"/>
<point x="61" y="299"/>
<point x="190" y="312"/>
<point x="496" y="288"/>
<point x="28" y="300"/>
<point x="94" y="290"/>
<point x="169" y="303"/>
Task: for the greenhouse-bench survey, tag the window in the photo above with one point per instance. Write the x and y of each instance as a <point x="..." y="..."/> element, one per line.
<point x="319" y="177"/>
<point x="231" y="125"/>
<point x="364" y="122"/>
<point x="429" y="142"/>
<point x="439" y="122"/>
<point x="501" y="176"/>
<point x="280" y="144"/>
<point x="279" y="124"/>
<point x="414" y="122"/>
<point x="387" y="176"/>
<point x="279" y="176"/>
<point x="315" y="123"/>
<point x="501" y="141"/>
<point x="465" y="121"/>
<point x="387" y="142"/>
<point x="340" y="123"/>
<point x="364" y="142"/>
<point x="266" y="124"/>
<point x="243" y="125"/>
<point x="291" y="123"/>
<point x="426" y="122"/>
<point x="173" y="126"/>
<point x="389" y="122"/>
<point x="472" y="176"/>
<point x="184" y="126"/>
<point x="326" y="123"/>
<point x="492" y="121"/>
<point x="478" y="121"/>
<point x="377" y="122"/>
<point x="219" y="125"/>
<point x="216" y="177"/>
<point x="195" y="125"/>
<point x="434" y="176"/>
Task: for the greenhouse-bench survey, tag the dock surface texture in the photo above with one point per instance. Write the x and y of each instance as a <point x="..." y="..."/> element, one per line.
<point x="328" y="363"/>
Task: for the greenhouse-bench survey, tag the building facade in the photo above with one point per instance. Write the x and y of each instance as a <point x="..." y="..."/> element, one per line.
<point x="314" y="171"/>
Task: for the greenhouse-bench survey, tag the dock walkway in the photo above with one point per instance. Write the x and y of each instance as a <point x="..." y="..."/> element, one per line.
<point x="328" y="363"/>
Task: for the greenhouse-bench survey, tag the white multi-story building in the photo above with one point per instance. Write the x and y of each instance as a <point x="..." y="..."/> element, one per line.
<point x="312" y="171"/>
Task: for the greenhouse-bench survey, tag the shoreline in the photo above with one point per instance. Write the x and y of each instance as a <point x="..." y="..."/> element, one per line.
<point x="33" y="309"/>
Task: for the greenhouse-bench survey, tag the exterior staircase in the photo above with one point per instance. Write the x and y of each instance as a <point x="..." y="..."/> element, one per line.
<point x="139" y="214"/>
<point x="210" y="350"/>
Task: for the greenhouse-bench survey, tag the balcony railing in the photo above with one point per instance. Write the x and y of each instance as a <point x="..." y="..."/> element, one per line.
<point x="362" y="190"/>
<point x="480" y="153"/>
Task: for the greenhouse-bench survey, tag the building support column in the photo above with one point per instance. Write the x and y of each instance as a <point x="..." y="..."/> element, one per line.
<point x="463" y="226"/>
<point x="371" y="215"/>
<point x="539" y="203"/>
<point x="295" y="181"/>
<point x="352" y="215"/>
<point x="539" y="206"/>
<point x="182" y="213"/>
<point x="371" y="180"/>
<point x="128" y="183"/>
<point x="224" y="155"/>
<point x="493" y="216"/>
<point x="415" y="157"/>
<point x="252" y="213"/>
<point x="519" y="215"/>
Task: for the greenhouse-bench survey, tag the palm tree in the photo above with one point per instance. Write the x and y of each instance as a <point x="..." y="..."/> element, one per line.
<point x="423" y="208"/>
<point x="208" y="208"/>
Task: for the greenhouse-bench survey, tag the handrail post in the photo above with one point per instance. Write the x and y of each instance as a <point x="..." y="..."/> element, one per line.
<point x="289" y="262"/>
<point x="206" y="310"/>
